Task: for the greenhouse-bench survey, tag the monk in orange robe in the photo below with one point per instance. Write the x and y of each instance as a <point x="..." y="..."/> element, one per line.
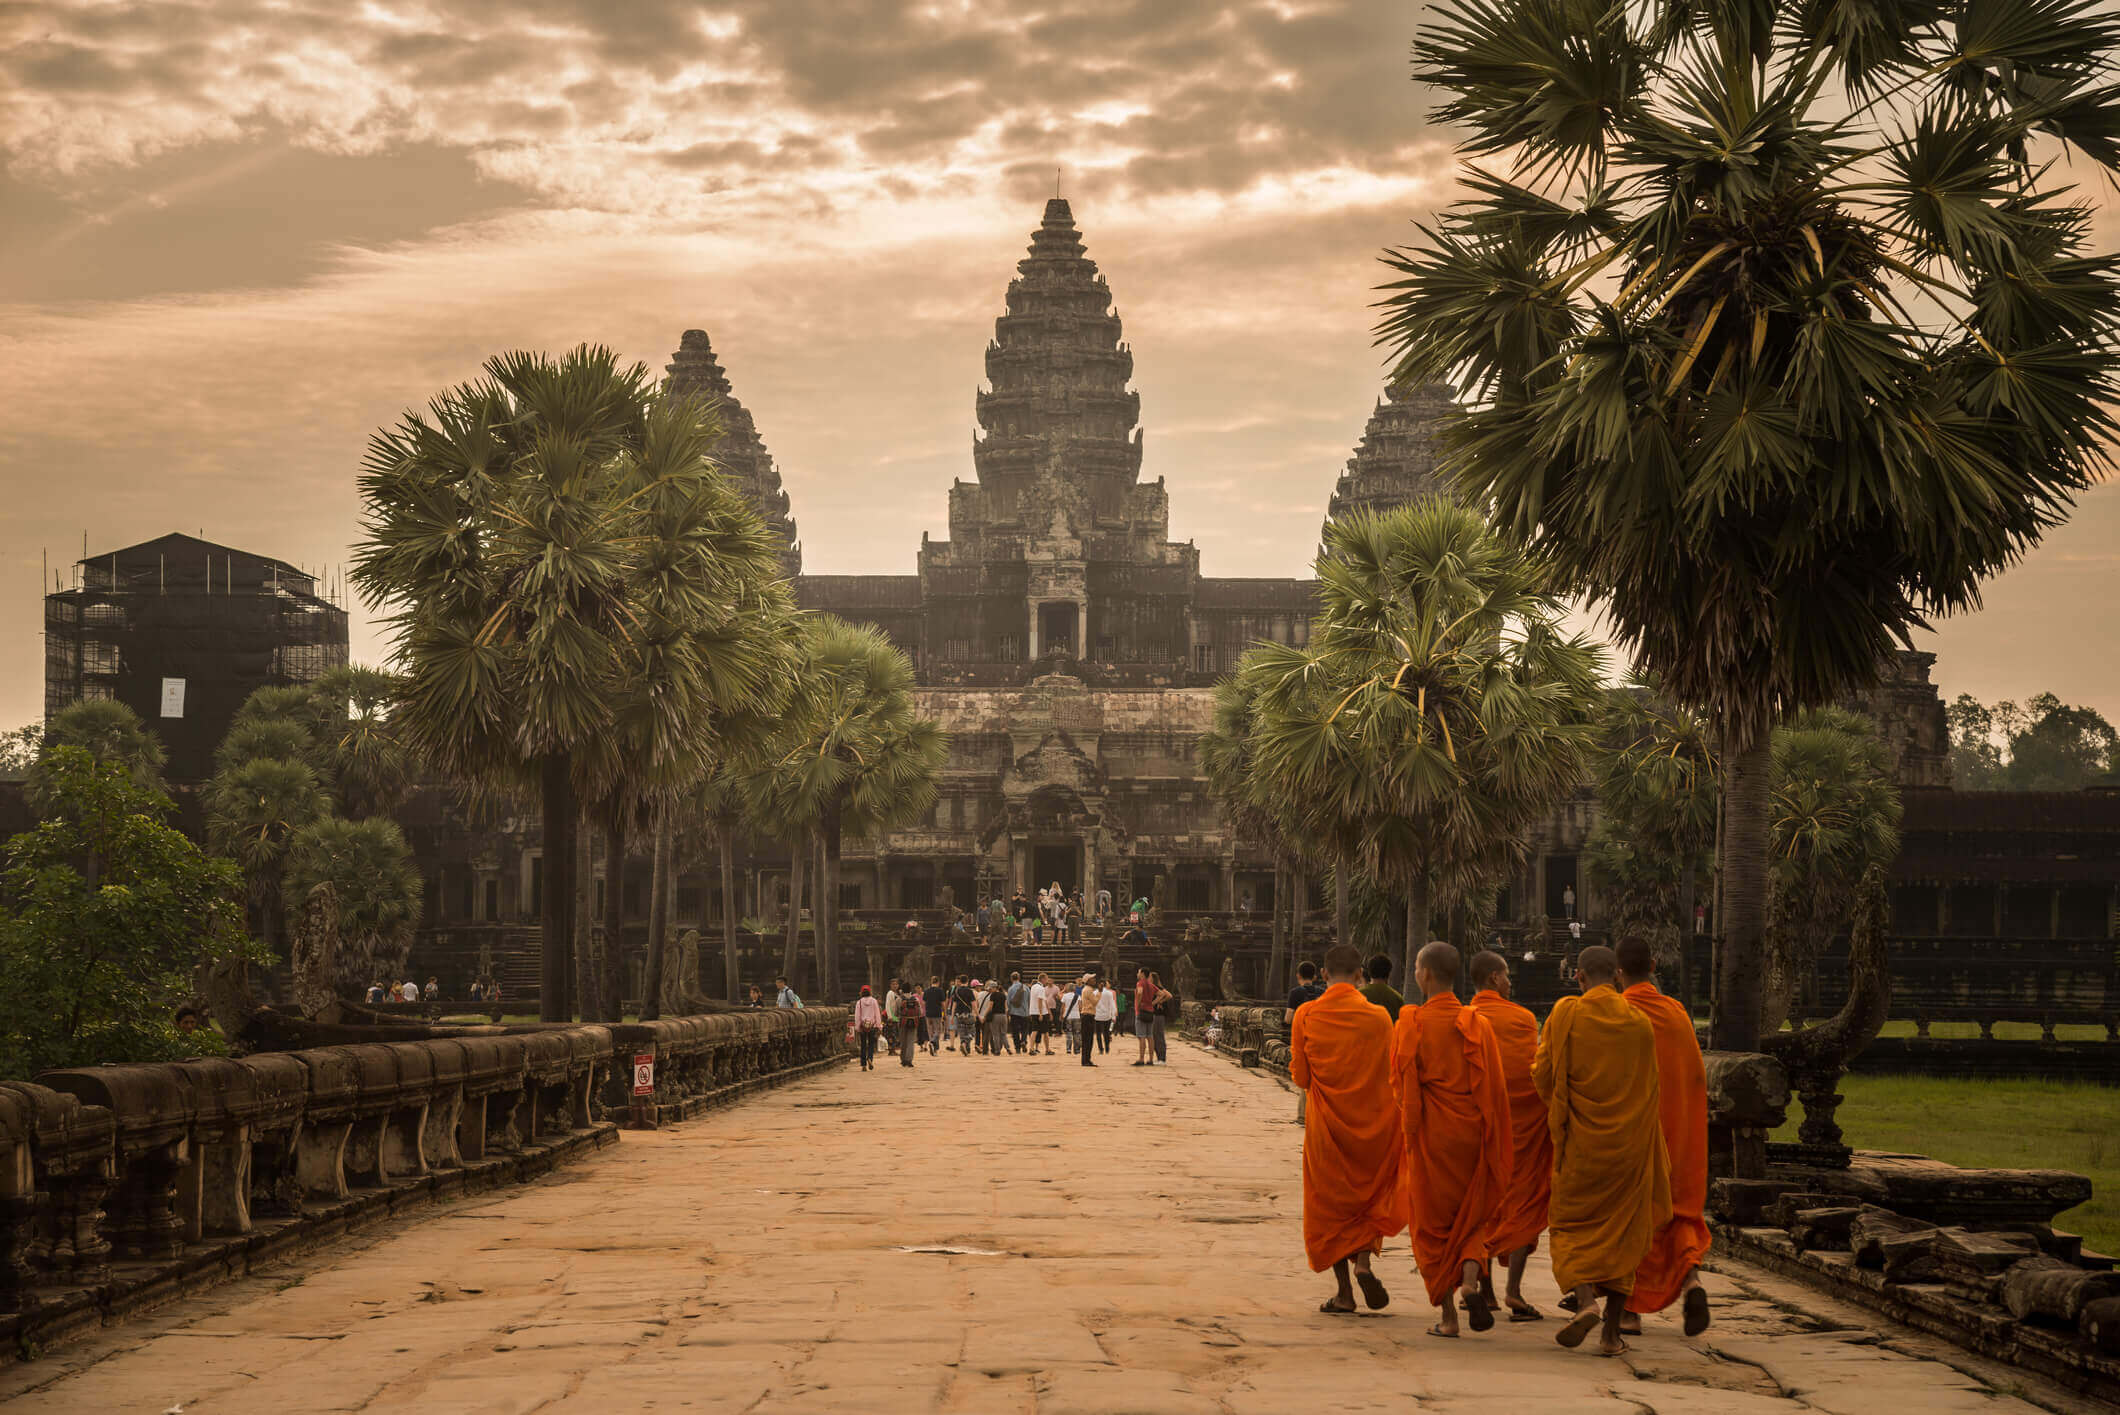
<point x="1354" y="1193"/>
<point x="1671" y="1271"/>
<point x="1596" y="1068"/>
<point x="1523" y="1214"/>
<point x="1454" y="1107"/>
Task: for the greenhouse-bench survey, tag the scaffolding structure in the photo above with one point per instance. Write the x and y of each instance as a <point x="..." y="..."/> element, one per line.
<point x="182" y="631"/>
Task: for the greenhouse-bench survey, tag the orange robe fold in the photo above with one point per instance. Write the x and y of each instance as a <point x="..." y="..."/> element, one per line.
<point x="1682" y="1115"/>
<point x="1454" y="1108"/>
<point x="1523" y="1213"/>
<point x="1354" y="1192"/>
<point x="1596" y="1067"/>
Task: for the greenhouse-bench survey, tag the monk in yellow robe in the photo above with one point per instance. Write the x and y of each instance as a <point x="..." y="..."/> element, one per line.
<point x="1596" y="1068"/>
<point x="1523" y="1213"/>
<point x="1454" y="1108"/>
<point x="1354" y="1192"/>
<point x="1671" y="1271"/>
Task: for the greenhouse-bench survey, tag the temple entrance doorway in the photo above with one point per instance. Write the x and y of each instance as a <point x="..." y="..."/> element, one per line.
<point x="1056" y="862"/>
<point x="1056" y="630"/>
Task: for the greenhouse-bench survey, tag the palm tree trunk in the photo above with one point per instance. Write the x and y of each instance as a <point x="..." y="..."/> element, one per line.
<point x="1685" y="934"/>
<point x="791" y="955"/>
<point x="1739" y="996"/>
<point x="556" y="909"/>
<point x="1277" y="960"/>
<point x="1339" y="902"/>
<point x="1419" y="909"/>
<point x="828" y="950"/>
<point x="612" y="985"/>
<point x="587" y="998"/>
<point x="726" y="830"/>
<point x="658" y="921"/>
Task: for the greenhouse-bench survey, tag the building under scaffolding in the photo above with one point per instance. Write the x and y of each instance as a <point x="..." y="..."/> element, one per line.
<point x="182" y="630"/>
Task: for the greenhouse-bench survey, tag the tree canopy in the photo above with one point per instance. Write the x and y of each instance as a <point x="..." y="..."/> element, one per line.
<point x="2043" y="745"/>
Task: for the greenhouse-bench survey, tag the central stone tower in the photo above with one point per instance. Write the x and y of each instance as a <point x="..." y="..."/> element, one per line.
<point x="1058" y="555"/>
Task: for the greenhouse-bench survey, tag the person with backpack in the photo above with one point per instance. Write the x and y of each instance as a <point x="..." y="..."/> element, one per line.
<point x="911" y="1008"/>
<point x="867" y="1025"/>
<point x="962" y="1023"/>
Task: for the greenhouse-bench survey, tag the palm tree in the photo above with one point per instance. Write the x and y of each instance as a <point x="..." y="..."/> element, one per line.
<point x="253" y="810"/>
<point x="1835" y="832"/>
<point x="108" y="731"/>
<point x="551" y="542"/>
<point x="1658" y="791"/>
<point x="1776" y="333"/>
<point x="1437" y="711"/>
<point x="370" y="768"/>
<point x="857" y="757"/>
<point x="369" y="867"/>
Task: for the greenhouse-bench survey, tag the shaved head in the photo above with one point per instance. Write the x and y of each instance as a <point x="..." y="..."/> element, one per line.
<point x="1440" y="962"/>
<point x="1487" y="965"/>
<point x="1596" y="964"/>
<point x="1636" y="959"/>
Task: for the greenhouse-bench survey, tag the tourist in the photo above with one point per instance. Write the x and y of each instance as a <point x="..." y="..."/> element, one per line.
<point x="1446" y="1071"/>
<point x="982" y="1004"/>
<point x="1307" y="988"/>
<point x="893" y="1013"/>
<point x="1523" y="1216"/>
<point x="1146" y="996"/>
<point x="963" y="1003"/>
<point x="1088" y="998"/>
<point x="187" y="1019"/>
<point x="1045" y="999"/>
<point x="931" y="1015"/>
<point x="1019" y="1013"/>
<point x="375" y="992"/>
<point x="1104" y="905"/>
<point x="478" y="991"/>
<point x="1354" y="1194"/>
<point x="1166" y="1013"/>
<point x="1138" y="914"/>
<point x="1596" y="1071"/>
<point x="757" y="996"/>
<point x="410" y="992"/>
<point x="1568" y="901"/>
<point x="959" y="934"/>
<point x="433" y="991"/>
<point x="787" y="997"/>
<point x="911" y="1010"/>
<point x="868" y="1024"/>
<point x="1134" y="937"/>
<point x="997" y="1018"/>
<point x="1019" y="909"/>
<point x="1107" y="1012"/>
<point x="1378" y="988"/>
<point x="493" y="990"/>
<point x="1671" y="1272"/>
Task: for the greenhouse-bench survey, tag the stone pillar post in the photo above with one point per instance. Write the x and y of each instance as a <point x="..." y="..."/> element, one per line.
<point x="1019" y="862"/>
<point x="1229" y="884"/>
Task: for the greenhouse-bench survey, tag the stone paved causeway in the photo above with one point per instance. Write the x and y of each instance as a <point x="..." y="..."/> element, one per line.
<point x="1131" y="1249"/>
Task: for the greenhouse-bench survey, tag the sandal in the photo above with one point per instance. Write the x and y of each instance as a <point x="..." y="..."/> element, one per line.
<point x="1331" y="1307"/>
<point x="1696" y="1310"/>
<point x="1437" y="1330"/>
<point x="1525" y="1312"/>
<point x="1574" y="1334"/>
<point x="1373" y="1291"/>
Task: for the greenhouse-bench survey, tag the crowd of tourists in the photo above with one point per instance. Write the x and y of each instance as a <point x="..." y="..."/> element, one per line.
<point x="971" y="1016"/>
<point x="1472" y="1129"/>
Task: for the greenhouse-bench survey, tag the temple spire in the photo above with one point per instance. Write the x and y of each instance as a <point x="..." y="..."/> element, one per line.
<point x="741" y="454"/>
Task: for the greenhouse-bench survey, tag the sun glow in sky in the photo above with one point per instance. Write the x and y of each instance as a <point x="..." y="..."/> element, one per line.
<point x="236" y="237"/>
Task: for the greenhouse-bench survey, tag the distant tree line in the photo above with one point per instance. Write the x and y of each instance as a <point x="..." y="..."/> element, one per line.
<point x="2043" y="744"/>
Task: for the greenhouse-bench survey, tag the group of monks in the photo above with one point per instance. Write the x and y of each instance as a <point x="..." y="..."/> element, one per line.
<point x="1471" y="1127"/>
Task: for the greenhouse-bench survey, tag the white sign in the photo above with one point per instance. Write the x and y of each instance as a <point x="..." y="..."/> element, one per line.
<point x="644" y="1074"/>
<point x="172" y="697"/>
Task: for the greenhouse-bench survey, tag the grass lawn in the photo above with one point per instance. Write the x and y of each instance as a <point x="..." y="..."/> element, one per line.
<point x="2001" y="1124"/>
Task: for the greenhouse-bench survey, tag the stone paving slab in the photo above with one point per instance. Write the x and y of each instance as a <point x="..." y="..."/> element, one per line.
<point x="1128" y="1244"/>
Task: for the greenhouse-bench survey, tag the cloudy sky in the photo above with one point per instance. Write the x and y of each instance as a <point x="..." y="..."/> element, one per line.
<point x="237" y="237"/>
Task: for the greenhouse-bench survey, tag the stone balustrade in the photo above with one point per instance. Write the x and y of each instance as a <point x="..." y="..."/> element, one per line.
<point x="702" y="1062"/>
<point x="123" y="1186"/>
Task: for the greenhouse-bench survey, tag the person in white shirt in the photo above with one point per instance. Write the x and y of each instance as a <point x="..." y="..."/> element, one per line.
<point x="1107" y="1012"/>
<point x="410" y="992"/>
<point x="787" y="996"/>
<point x="1042" y="1014"/>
